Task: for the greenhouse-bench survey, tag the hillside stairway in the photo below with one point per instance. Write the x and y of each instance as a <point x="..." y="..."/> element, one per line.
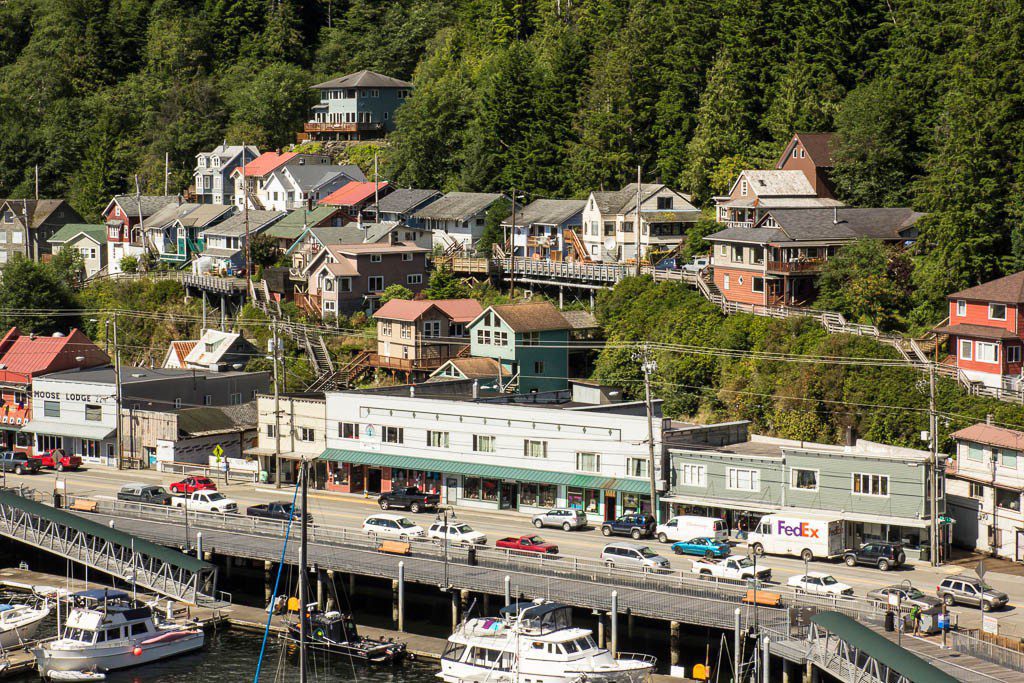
<point x="573" y="239"/>
<point x="343" y="376"/>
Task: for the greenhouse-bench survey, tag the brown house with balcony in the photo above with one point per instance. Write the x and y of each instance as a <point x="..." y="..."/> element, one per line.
<point x="417" y="337"/>
<point x="776" y="261"/>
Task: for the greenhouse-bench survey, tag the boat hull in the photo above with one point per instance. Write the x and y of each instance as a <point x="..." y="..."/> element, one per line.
<point x="116" y="657"/>
<point x="21" y="633"/>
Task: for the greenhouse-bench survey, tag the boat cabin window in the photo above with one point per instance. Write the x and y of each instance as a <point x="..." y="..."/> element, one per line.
<point x="494" y="659"/>
<point x="569" y="647"/>
<point x="454" y="651"/>
<point x="138" y="628"/>
<point x="79" y="634"/>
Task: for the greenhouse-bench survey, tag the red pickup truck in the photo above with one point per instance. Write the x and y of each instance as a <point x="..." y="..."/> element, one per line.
<point x="58" y="459"/>
<point x="530" y="544"/>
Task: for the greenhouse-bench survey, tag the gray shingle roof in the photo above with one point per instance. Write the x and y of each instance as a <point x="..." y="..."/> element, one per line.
<point x="311" y="176"/>
<point x="235" y="226"/>
<point x="150" y="203"/>
<point x="406" y="200"/>
<point x="888" y="224"/>
<point x="458" y="206"/>
<point x="364" y="79"/>
<point x="168" y="213"/>
<point x="351" y="233"/>
<point x="624" y="200"/>
<point x="217" y="419"/>
<point x="775" y="183"/>
<point x="547" y="212"/>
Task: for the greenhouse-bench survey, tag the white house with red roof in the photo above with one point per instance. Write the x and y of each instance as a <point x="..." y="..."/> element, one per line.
<point x="422" y="335"/>
<point x="277" y="181"/>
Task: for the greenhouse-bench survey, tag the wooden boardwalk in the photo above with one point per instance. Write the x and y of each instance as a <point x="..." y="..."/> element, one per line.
<point x="964" y="667"/>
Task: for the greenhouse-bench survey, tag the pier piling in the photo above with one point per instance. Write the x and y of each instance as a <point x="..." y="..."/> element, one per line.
<point x="508" y="590"/>
<point x="401" y="596"/>
<point x="615" y="623"/>
<point x="268" y="584"/>
<point x="674" y="631"/>
<point x="334" y="588"/>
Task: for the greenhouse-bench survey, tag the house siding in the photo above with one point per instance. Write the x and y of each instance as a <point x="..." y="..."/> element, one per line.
<point x="741" y="282"/>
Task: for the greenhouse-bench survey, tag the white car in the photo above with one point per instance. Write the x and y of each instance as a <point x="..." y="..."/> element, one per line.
<point x="392" y="526"/>
<point x="819" y="583"/>
<point x="457" y="532"/>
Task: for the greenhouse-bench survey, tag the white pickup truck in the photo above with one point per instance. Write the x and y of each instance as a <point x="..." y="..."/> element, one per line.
<point x="205" y="501"/>
<point x="734" y="568"/>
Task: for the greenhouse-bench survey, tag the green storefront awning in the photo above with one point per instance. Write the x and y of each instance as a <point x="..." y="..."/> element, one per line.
<point x="471" y="469"/>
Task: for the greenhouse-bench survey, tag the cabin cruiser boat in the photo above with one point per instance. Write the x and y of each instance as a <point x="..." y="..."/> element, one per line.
<point x="335" y="633"/>
<point x="535" y="642"/>
<point x="107" y="630"/>
<point x="18" y="623"/>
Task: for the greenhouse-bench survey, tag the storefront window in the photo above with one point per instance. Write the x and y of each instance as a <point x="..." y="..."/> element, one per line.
<point x="22" y="440"/>
<point x="430" y="482"/>
<point x="632" y="503"/>
<point x="588" y="500"/>
<point x="489" y="490"/>
<point x="339" y="473"/>
<point x="471" y="488"/>
<point x="538" y="495"/>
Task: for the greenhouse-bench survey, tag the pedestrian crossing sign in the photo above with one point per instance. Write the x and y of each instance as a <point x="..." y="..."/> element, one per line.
<point x="218" y="451"/>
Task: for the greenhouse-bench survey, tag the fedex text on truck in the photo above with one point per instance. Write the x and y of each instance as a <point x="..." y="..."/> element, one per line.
<point x="802" y="529"/>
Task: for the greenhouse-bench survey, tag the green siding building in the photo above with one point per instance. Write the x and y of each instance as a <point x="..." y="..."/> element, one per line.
<point x="530" y="341"/>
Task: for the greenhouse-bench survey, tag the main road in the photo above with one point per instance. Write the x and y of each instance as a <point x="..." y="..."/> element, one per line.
<point x="347" y="510"/>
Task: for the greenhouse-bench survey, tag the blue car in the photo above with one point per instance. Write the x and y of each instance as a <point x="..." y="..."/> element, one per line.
<point x="707" y="547"/>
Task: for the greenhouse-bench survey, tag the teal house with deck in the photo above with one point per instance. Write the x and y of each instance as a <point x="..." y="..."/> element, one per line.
<point x="529" y="341"/>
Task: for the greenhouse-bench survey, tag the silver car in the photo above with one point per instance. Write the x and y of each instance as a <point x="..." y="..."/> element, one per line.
<point x="565" y="518"/>
<point x="633" y="556"/>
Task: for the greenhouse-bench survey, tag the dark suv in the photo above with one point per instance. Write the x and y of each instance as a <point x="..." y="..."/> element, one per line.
<point x="636" y="526"/>
<point x="882" y="554"/>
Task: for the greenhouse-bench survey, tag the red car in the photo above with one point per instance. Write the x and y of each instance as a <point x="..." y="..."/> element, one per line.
<point x="530" y="544"/>
<point x="58" y="459"/>
<point x="190" y="484"/>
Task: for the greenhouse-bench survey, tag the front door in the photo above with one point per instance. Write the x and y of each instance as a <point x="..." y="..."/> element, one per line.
<point x="609" y="506"/>
<point x="451" y="490"/>
<point x="373" y="480"/>
<point x="509" y="495"/>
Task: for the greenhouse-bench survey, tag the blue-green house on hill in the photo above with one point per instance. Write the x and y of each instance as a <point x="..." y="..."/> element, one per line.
<point x="530" y="341"/>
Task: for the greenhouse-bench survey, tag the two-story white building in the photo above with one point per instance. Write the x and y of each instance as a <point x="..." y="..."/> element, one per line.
<point x="301" y="422"/>
<point x="609" y="218"/>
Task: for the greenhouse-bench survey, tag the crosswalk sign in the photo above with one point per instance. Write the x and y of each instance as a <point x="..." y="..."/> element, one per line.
<point x="218" y="451"/>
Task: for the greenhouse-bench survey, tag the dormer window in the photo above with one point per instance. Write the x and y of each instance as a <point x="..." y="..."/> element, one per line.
<point x="997" y="311"/>
<point x="961" y="308"/>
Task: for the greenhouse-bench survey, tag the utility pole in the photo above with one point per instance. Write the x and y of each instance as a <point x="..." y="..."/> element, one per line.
<point x="117" y="396"/>
<point x="167" y="171"/>
<point x="376" y="190"/>
<point x="933" y="479"/>
<point x="649" y="365"/>
<point x="512" y="250"/>
<point x="277" y="413"/>
<point x="303" y="576"/>
<point x="245" y="209"/>
<point x="636" y="227"/>
<point x="37" y="182"/>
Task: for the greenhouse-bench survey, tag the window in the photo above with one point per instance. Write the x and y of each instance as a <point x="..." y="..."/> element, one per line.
<point x="538" y="495"/>
<point x="609" y="229"/>
<point x="306" y="434"/>
<point x="236" y="399"/>
<point x="375" y="258"/>
<point x="743" y="479"/>
<point x="208" y="400"/>
<point x="90" y="448"/>
<point x="93" y="413"/>
<point x="871" y="484"/>
<point x="437" y="439"/>
<point x="1013" y="354"/>
<point x="975" y="452"/>
<point x="627" y="226"/>
<point x="483" y="337"/>
<point x="405" y="331"/>
<point x="538" y="367"/>
<point x="637" y="467"/>
<point x="997" y="311"/>
<point x="693" y="475"/>
<point x="270" y="431"/>
<point x="725" y="281"/>
<point x="345" y="284"/>
<point x="737" y="255"/>
<point x="535" y="449"/>
<point x="806" y="480"/>
<point x="756" y="255"/>
<point x="375" y="283"/>
<point x="1008" y="458"/>
<point x="987" y="352"/>
<point x="51" y="409"/>
<point x="743" y="188"/>
<point x="961" y="308"/>
<point x="1008" y="499"/>
<point x="177" y="402"/>
<point x="392" y="435"/>
<point x="977" y="490"/>
<point x="483" y="443"/>
<point x="664" y="203"/>
<point x="965" y="349"/>
<point x="385" y="328"/>
<point x="588" y="500"/>
<point x="432" y="328"/>
<point x="531" y="338"/>
<point x="588" y="462"/>
<point x="407" y="257"/>
<point x="757" y="285"/>
<point x="348" y="430"/>
<point x="501" y="338"/>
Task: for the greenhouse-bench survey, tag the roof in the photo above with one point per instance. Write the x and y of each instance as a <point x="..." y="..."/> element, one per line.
<point x="458" y="310"/>
<point x="150" y="204"/>
<point x="818" y="146"/>
<point x="226" y="153"/>
<point x="536" y="316"/>
<point x="979" y="331"/>
<point x="547" y="212"/>
<point x="179" y="350"/>
<point x="292" y="226"/>
<point x="364" y="79"/>
<point x="352" y="193"/>
<point x="97" y="233"/>
<point x="235" y="225"/>
<point x="777" y="183"/>
<point x="1006" y="290"/>
<point x="221" y="343"/>
<point x="267" y="162"/>
<point x="37" y="210"/>
<point x="312" y="176"/>
<point x="991" y="435"/>
<point x="404" y="200"/>
<point x="134" y="375"/>
<point x="102" y="531"/>
<point x="473" y="368"/>
<point x="377" y="248"/>
<point x="624" y="200"/>
<point x="458" y="206"/>
<point x="860" y="222"/>
<point x="782" y="202"/>
<point x="34" y="355"/>
<point x="206" y="420"/>
<point x="168" y="213"/>
<point x="880" y="648"/>
<point x="580" y="320"/>
<point x="205" y="215"/>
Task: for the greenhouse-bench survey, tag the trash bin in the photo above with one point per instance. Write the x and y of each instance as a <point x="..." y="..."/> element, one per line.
<point x="471" y="556"/>
<point x="57" y="500"/>
<point x="890" y="621"/>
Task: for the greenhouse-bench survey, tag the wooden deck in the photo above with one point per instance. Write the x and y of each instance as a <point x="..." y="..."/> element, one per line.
<point x="952" y="662"/>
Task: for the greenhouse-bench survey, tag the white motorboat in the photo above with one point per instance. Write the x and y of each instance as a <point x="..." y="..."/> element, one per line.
<point x="107" y="630"/>
<point x="534" y="642"/>
<point x="18" y="623"/>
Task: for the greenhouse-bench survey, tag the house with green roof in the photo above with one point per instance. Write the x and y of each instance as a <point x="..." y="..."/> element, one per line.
<point x="88" y="239"/>
<point x="293" y="226"/>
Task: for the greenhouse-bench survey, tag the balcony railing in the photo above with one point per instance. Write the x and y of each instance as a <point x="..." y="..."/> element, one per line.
<point x="739" y="224"/>
<point x="317" y="127"/>
<point x="430" y="363"/>
<point x="802" y="266"/>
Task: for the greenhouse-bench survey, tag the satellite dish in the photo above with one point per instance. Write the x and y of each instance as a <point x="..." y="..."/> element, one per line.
<point x="609" y="244"/>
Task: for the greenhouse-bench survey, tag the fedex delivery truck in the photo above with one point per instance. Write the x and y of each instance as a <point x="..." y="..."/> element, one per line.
<point x="807" y="536"/>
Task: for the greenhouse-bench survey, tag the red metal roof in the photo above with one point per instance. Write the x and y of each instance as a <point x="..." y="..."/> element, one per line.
<point x="991" y="435"/>
<point x="459" y="310"/>
<point x="29" y="356"/>
<point x="352" y="193"/>
<point x="267" y="162"/>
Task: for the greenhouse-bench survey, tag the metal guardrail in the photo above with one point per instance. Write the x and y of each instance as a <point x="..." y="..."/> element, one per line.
<point x="965" y="643"/>
<point x="186" y="468"/>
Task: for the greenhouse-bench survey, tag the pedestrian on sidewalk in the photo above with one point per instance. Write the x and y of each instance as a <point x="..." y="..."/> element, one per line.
<point x="915" y="617"/>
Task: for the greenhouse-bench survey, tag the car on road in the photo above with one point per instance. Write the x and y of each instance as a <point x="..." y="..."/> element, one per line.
<point x="633" y="556"/>
<point x="151" y="494"/>
<point x="528" y="544"/>
<point x="819" y="583"/>
<point x="205" y="501"/>
<point x="392" y="526"/>
<point x="970" y="590"/>
<point x="882" y="554"/>
<point x="278" y="509"/>
<point x="908" y="595"/>
<point x="634" y="525"/>
<point x="190" y="484"/>
<point x="19" y="463"/>
<point x="458" y="533"/>
<point x="410" y="498"/>
<point x="59" y="459"/>
<point x="565" y="518"/>
<point x="732" y="568"/>
<point x="707" y="547"/>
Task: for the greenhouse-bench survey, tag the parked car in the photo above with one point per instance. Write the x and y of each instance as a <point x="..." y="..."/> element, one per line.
<point x="19" y="463"/>
<point x="457" y="532"/>
<point x="633" y="555"/>
<point x="819" y="583"/>
<point x="970" y="590"/>
<point x="566" y="518"/>
<point x="908" y="596"/>
<point x="58" y="459"/>
<point x="734" y="568"/>
<point x="881" y="554"/>
<point x="410" y="498"/>
<point x="697" y="264"/>
<point x="634" y="525"/>
<point x="279" y="509"/>
<point x="392" y="526"/>
<point x="205" y="501"/>
<point x="529" y="544"/>
<point x="190" y="484"/>
<point x="150" y="494"/>
<point x="708" y="547"/>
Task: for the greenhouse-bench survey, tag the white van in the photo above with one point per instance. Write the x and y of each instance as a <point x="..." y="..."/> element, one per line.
<point x="806" y="536"/>
<point x="685" y="527"/>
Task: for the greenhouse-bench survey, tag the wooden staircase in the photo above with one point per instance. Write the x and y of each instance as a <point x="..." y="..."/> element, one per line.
<point x="343" y="376"/>
<point x="574" y="240"/>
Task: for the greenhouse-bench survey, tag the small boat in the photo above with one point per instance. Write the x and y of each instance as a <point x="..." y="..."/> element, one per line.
<point x="77" y="676"/>
<point x="19" y="623"/>
<point x="335" y="633"/>
<point x="107" y="630"/>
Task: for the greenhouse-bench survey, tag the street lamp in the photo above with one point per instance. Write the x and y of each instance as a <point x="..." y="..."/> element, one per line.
<point x="442" y="514"/>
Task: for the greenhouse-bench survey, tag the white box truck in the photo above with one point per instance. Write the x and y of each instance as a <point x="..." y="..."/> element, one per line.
<point x="807" y="536"/>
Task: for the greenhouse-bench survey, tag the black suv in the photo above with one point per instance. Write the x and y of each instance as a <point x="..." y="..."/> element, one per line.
<point x="636" y="526"/>
<point x="19" y="463"/>
<point x="882" y="554"/>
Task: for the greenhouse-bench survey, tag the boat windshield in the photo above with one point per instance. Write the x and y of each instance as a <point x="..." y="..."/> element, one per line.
<point x="79" y="634"/>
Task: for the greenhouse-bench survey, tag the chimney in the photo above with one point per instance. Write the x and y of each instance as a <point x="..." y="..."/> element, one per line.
<point x="990" y="419"/>
<point x="851" y="437"/>
<point x="835" y="215"/>
<point x="359" y="220"/>
<point x="476" y="389"/>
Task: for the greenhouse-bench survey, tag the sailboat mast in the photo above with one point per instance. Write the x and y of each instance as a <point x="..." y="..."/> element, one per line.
<point x="303" y="577"/>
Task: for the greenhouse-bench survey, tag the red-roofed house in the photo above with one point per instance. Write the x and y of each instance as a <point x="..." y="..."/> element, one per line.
<point x="24" y="357"/>
<point x="354" y="197"/>
<point x="420" y="336"/>
<point x="986" y="331"/>
<point x="275" y="181"/>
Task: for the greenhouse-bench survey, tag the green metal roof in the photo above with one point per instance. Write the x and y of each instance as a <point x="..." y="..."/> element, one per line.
<point x="168" y="555"/>
<point x="293" y="225"/>
<point x="879" y="647"/>
<point x="97" y="232"/>
<point x="488" y="471"/>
